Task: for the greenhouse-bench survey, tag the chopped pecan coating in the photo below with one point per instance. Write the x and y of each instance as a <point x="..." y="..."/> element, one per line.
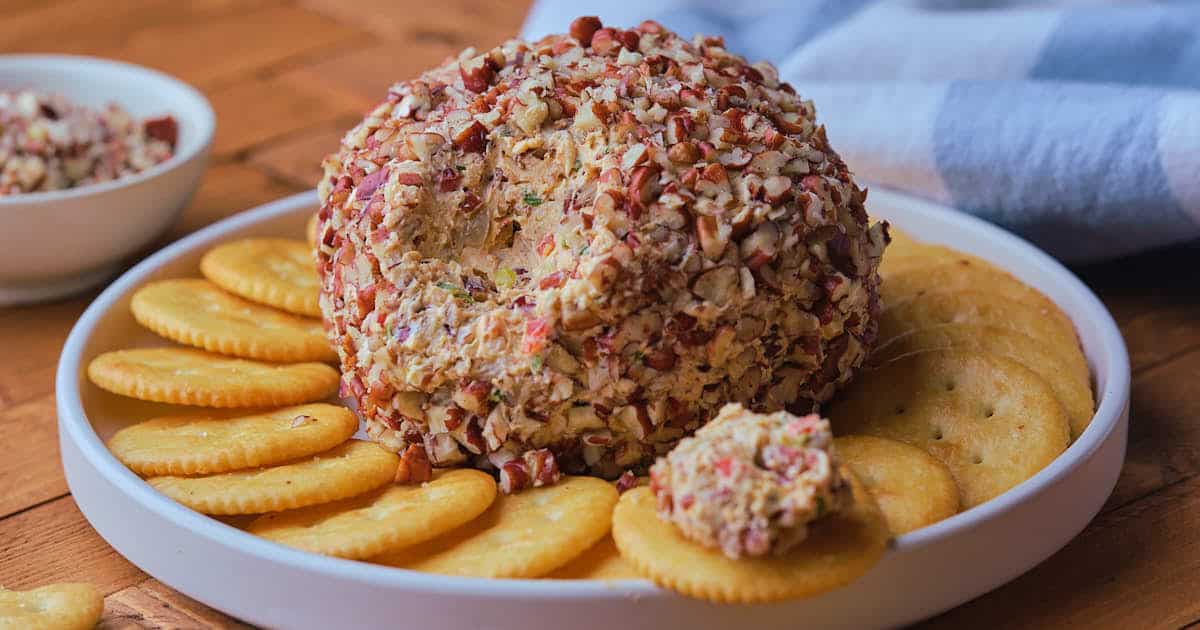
<point x="587" y="244"/>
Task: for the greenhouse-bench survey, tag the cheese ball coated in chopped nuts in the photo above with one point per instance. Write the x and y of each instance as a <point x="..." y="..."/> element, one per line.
<point x="749" y="483"/>
<point x="566" y="255"/>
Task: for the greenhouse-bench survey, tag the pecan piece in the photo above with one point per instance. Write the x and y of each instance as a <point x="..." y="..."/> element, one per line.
<point x="542" y="467"/>
<point x="533" y="469"/>
<point x="476" y="75"/>
<point x="661" y="359"/>
<point x="777" y="189"/>
<point x="683" y="153"/>
<point x="513" y="477"/>
<point x="583" y="28"/>
<point x="409" y="179"/>
<point x="644" y="186"/>
<point x="712" y="242"/>
<point x="162" y="128"/>
<point x="472" y="138"/>
<point x="605" y="41"/>
<point x="714" y="173"/>
<point x="370" y="184"/>
<point x="717" y="285"/>
<point x="473" y="396"/>
<point x="448" y="179"/>
<point x="650" y="26"/>
<point x="629" y="39"/>
<point x="414" y="465"/>
<point x="627" y="481"/>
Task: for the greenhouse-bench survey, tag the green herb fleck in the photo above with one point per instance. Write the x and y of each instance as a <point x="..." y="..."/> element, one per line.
<point x="496" y="396"/>
<point x="583" y="250"/>
<point x="505" y="278"/>
<point x="575" y="167"/>
<point x="454" y="290"/>
<point x="820" y="506"/>
<point x="536" y="365"/>
<point x="532" y="199"/>
<point x="639" y="356"/>
<point x="460" y="167"/>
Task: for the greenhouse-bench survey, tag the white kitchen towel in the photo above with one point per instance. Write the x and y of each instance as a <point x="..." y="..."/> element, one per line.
<point x="1074" y="124"/>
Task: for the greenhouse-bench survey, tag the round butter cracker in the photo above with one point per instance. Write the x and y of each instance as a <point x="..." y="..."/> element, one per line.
<point x="393" y="518"/>
<point x="1072" y="388"/>
<point x="184" y="376"/>
<point x="198" y="313"/>
<point x="278" y="272"/>
<point x="904" y="254"/>
<point x="72" y="606"/>
<point x="601" y="562"/>
<point x="523" y="535"/>
<point x="346" y="471"/>
<point x="912" y="488"/>
<point x="1046" y="324"/>
<point x="839" y="549"/>
<point x="191" y="445"/>
<point x="993" y="422"/>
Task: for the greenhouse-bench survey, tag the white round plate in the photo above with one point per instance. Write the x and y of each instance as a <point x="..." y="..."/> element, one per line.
<point x="925" y="572"/>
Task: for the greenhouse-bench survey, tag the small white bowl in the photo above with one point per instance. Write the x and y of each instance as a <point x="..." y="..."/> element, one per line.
<point x="60" y="242"/>
<point x="924" y="573"/>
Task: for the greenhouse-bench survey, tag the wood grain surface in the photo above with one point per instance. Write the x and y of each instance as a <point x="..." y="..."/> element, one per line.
<point x="286" y="78"/>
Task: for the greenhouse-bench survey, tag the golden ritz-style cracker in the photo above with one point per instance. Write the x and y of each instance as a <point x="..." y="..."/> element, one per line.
<point x="602" y="561"/>
<point x="1071" y="386"/>
<point x="991" y="420"/>
<point x="185" y="376"/>
<point x="205" y="445"/>
<point x="913" y="489"/>
<point x="960" y="272"/>
<point x="905" y="253"/>
<point x="198" y="313"/>
<point x="840" y="547"/>
<point x="525" y="535"/>
<point x="1046" y="324"/>
<point x="393" y="518"/>
<point x="348" y="470"/>
<point x="72" y="606"/>
<point x="278" y="272"/>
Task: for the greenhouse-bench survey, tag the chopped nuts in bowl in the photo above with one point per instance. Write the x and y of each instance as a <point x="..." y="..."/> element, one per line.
<point x="49" y="143"/>
<point x="97" y="158"/>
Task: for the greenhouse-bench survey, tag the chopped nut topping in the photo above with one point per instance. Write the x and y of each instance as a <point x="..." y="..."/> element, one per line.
<point x="49" y="143"/>
<point x="414" y="466"/>
<point x="750" y="484"/>
<point x="578" y="248"/>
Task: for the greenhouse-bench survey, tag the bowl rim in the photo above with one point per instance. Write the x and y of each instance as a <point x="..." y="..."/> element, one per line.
<point x="206" y="124"/>
<point x="73" y="419"/>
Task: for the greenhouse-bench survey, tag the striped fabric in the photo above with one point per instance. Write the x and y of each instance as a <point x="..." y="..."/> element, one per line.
<point x="1074" y="124"/>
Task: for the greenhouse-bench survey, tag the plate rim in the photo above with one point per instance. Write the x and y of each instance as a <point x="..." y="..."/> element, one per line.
<point x="74" y="423"/>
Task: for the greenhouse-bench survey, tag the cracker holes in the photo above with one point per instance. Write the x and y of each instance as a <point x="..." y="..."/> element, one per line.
<point x="900" y="410"/>
<point x="989" y="412"/>
<point x="950" y="385"/>
<point x="937" y="433"/>
<point x="978" y="459"/>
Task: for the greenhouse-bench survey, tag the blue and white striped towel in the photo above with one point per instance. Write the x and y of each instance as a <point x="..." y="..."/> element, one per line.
<point x="1077" y="127"/>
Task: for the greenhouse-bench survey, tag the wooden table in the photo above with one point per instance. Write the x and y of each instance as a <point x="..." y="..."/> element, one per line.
<point x="287" y="78"/>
